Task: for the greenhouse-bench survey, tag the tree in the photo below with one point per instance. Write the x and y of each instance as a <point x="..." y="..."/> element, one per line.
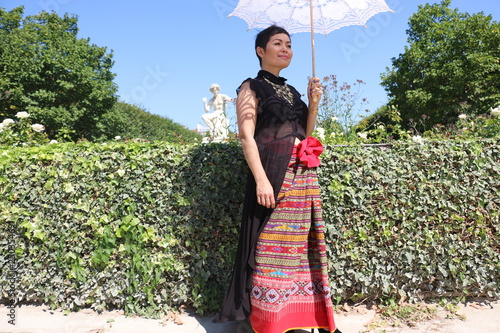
<point x="64" y="82"/>
<point x="450" y="67"/>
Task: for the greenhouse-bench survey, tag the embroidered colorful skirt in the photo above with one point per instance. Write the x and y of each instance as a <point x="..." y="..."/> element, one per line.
<point x="290" y="287"/>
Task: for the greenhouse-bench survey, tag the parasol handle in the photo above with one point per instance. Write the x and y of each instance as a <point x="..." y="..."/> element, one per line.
<point x="315" y="98"/>
<point x="312" y="38"/>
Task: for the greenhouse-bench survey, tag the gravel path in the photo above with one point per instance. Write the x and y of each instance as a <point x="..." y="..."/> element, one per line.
<point x="480" y="317"/>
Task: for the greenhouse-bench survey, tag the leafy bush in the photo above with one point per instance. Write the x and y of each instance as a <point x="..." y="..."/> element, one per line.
<point x="386" y="126"/>
<point x="413" y="221"/>
<point x="149" y="226"/>
<point x="129" y="121"/>
<point x="21" y="132"/>
<point x="339" y="109"/>
<point x="467" y="127"/>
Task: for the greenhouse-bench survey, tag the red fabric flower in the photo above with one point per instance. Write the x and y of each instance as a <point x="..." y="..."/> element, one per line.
<point x="308" y="151"/>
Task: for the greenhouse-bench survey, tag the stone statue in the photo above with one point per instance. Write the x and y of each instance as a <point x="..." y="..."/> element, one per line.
<point x="216" y="121"/>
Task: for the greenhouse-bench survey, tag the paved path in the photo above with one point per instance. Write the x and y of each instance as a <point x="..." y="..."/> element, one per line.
<point x="479" y="318"/>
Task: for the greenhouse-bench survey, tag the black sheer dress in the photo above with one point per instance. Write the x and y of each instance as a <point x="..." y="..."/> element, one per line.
<point x="281" y="118"/>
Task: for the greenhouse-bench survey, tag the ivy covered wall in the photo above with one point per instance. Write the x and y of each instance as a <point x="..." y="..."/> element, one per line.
<point x="149" y="226"/>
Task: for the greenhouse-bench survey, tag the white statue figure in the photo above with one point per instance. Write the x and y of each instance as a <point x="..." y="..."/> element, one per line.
<point x="216" y="121"/>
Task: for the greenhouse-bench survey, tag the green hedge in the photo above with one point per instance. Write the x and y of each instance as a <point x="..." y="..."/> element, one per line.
<point x="416" y="221"/>
<point x="150" y="226"/>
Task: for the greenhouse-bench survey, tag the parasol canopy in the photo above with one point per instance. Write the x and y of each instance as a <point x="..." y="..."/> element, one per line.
<point x="321" y="16"/>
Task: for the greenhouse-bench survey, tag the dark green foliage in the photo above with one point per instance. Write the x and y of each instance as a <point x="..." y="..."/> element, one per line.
<point x="413" y="221"/>
<point x="149" y="226"/>
<point x="63" y="82"/>
<point x="66" y="83"/>
<point x="381" y="115"/>
<point x="450" y="66"/>
<point x="132" y="122"/>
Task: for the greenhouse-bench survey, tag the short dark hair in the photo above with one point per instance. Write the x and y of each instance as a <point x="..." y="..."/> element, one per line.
<point x="265" y="35"/>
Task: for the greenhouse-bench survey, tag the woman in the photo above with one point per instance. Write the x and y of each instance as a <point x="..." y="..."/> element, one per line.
<point x="280" y="276"/>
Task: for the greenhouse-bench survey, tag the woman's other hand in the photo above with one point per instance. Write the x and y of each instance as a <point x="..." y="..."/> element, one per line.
<point x="265" y="194"/>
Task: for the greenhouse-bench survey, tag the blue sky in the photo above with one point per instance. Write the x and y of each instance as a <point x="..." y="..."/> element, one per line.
<point x="167" y="53"/>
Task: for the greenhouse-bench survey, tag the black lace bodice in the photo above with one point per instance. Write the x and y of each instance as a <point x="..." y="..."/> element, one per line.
<point x="281" y="117"/>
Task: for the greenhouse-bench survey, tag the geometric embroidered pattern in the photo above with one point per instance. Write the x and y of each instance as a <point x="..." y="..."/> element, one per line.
<point x="290" y="281"/>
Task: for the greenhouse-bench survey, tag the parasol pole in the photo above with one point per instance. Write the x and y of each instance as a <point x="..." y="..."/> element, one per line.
<point x="312" y="38"/>
<point x="315" y="98"/>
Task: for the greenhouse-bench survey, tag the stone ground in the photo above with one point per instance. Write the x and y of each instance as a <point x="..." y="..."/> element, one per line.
<point x="474" y="317"/>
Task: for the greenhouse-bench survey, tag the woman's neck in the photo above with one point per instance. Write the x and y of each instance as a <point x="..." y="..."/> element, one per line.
<point x="273" y="70"/>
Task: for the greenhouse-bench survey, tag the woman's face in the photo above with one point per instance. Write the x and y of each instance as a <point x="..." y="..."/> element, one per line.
<point x="278" y="53"/>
